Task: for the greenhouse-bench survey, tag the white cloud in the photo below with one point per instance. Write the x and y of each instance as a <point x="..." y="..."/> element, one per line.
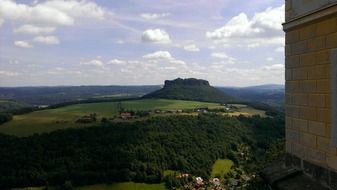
<point x="264" y="28"/>
<point x="153" y="16"/>
<point x="275" y="67"/>
<point x="156" y="36"/>
<point x="1" y="21"/>
<point x="23" y="44"/>
<point x="49" y="40"/>
<point x="53" y="12"/>
<point x="94" y="62"/>
<point x="279" y="49"/>
<point x="191" y="47"/>
<point x="238" y="26"/>
<point x="32" y="29"/>
<point x="219" y="55"/>
<point x="164" y="57"/>
<point x="83" y="8"/>
<point x="270" y="59"/>
<point x="158" y="55"/>
<point x="9" y="73"/>
<point x="120" y="42"/>
<point x="225" y="59"/>
<point x="116" y="62"/>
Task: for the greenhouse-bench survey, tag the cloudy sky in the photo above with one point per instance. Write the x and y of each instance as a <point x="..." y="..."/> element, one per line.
<point x="134" y="42"/>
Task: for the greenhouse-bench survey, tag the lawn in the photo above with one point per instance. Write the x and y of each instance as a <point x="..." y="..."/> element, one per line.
<point x="65" y="117"/>
<point x="124" y="186"/>
<point x="221" y="167"/>
<point x="248" y="111"/>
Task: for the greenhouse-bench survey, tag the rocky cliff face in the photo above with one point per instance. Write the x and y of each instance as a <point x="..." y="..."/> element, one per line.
<point x="189" y="82"/>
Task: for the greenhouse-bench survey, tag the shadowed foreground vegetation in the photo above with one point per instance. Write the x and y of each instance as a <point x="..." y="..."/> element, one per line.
<point x="137" y="151"/>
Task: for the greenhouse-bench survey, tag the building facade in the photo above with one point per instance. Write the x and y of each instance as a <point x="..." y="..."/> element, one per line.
<point x="311" y="88"/>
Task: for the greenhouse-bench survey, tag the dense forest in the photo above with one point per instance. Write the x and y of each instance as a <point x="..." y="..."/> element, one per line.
<point x="135" y="151"/>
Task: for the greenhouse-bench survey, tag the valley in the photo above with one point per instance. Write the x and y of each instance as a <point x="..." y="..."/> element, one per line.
<point x="185" y="135"/>
<point x="65" y="117"/>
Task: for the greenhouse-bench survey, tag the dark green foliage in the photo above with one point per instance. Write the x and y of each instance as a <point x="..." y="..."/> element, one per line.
<point x="132" y="151"/>
<point x="5" y="117"/>
<point x="87" y="118"/>
<point x="11" y="106"/>
<point x="138" y="113"/>
<point x="190" y="89"/>
<point x="66" y="186"/>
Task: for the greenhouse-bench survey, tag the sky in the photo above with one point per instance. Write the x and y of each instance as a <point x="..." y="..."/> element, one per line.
<point x="141" y="42"/>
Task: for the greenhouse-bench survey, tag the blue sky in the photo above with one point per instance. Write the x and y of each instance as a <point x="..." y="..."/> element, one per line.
<point x="136" y="42"/>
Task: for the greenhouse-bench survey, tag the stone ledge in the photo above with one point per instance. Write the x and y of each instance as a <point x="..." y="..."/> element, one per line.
<point x="293" y="173"/>
<point x="329" y="10"/>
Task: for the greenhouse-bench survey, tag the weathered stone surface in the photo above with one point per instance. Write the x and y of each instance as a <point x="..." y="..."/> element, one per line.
<point x="311" y="91"/>
<point x="299" y="182"/>
<point x="298" y="8"/>
<point x="317" y="172"/>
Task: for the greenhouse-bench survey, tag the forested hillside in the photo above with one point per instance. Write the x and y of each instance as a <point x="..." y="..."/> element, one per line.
<point x="136" y="151"/>
<point x="271" y="94"/>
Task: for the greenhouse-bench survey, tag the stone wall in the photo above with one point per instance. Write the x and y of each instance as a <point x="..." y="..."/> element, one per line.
<point x="310" y="39"/>
<point x="297" y="8"/>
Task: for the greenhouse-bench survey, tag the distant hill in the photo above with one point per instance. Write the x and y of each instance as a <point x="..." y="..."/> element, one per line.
<point x="11" y="106"/>
<point x="190" y="89"/>
<point x="61" y="94"/>
<point x="271" y="93"/>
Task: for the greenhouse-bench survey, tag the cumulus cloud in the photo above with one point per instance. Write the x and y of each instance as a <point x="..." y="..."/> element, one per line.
<point x="279" y="49"/>
<point x="23" y="44"/>
<point x="34" y="30"/>
<point x="224" y="59"/>
<point x="9" y="73"/>
<point x="275" y="67"/>
<point x="153" y="16"/>
<point x="191" y="47"/>
<point x="55" y="12"/>
<point x="156" y="36"/>
<point x="264" y="28"/>
<point x="158" y="66"/>
<point x="164" y="57"/>
<point x="158" y="55"/>
<point x="94" y="62"/>
<point x="48" y="40"/>
<point x="116" y="62"/>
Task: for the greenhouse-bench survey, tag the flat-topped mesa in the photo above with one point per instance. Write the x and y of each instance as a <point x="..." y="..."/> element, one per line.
<point x="188" y="81"/>
<point x="190" y="89"/>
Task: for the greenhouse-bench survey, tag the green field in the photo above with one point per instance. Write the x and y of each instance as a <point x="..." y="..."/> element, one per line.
<point x="65" y="117"/>
<point x="221" y="167"/>
<point x="124" y="186"/>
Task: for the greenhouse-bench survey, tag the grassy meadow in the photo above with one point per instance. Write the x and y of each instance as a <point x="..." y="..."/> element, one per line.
<point x="221" y="167"/>
<point x="65" y="117"/>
